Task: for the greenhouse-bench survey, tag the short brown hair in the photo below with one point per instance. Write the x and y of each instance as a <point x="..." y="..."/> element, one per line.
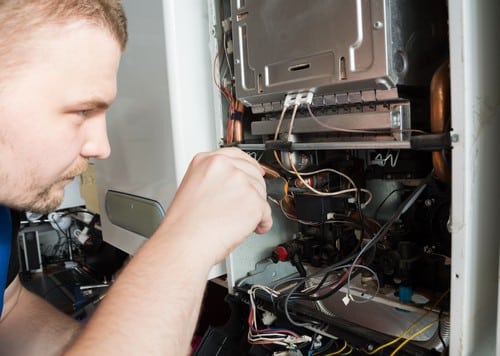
<point x="18" y="16"/>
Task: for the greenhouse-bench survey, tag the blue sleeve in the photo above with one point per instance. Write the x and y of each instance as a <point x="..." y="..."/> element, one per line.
<point x="5" y="243"/>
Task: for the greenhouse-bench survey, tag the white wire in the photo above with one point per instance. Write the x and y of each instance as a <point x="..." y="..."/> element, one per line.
<point x="349" y="280"/>
<point x="299" y="175"/>
<point x="394" y="160"/>
<point x="271" y="337"/>
<point x="292" y="121"/>
<point x="339" y="192"/>
<point x="382" y="161"/>
<point x="332" y="170"/>
<point x="280" y="122"/>
<point x="227" y="56"/>
<point x="337" y="128"/>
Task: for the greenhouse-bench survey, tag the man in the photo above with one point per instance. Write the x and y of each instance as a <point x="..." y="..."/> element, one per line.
<point x="59" y="61"/>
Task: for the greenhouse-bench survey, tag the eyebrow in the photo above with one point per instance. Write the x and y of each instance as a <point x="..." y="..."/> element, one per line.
<point x="91" y="103"/>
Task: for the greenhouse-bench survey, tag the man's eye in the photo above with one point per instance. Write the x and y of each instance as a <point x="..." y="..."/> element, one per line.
<point x="84" y="113"/>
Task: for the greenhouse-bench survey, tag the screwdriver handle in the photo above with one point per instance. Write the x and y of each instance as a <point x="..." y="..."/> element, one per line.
<point x="277" y="188"/>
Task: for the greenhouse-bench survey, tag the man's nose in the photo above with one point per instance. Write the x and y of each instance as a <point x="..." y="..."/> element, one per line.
<point x="96" y="143"/>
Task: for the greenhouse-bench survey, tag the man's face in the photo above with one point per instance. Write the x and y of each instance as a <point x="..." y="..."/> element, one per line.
<point x="52" y="112"/>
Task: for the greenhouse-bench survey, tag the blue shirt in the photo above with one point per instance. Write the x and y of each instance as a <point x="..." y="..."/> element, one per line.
<point x="5" y="243"/>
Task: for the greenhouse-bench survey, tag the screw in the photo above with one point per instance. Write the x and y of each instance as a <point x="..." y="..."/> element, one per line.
<point x="378" y="25"/>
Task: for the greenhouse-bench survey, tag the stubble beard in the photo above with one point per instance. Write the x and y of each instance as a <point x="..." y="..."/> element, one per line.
<point x="47" y="199"/>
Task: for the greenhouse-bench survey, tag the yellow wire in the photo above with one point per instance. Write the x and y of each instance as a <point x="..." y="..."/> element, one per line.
<point x="381" y="347"/>
<point x="339" y="351"/>
<point x="407" y="331"/>
<point x="415" y="334"/>
<point x="348" y="352"/>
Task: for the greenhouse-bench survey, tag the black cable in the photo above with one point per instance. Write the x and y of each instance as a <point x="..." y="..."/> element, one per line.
<point x="332" y="291"/>
<point x="78" y="211"/>
<point x="379" y="235"/>
<point x="361" y="225"/>
<point x="403" y="207"/>
<point x="330" y="269"/>
<point x="385" y="199"/>
<point x="300" y="296"/>
<point x="93" y="221"/>
<point x="57" y="246"/>
<point x="61" y="230"/>
<point x="371" y="257"/>
<point x="68" y="239"/>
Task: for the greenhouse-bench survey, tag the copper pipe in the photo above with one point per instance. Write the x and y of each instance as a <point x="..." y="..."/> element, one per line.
<point x="440" y="117"/>
<point x="238" y="123"/>
<point x="230" y="131"/>
<point x="270" y="172"/>
<point x="238" y="131"/>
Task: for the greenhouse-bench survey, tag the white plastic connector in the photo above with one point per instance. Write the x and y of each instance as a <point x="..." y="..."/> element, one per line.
<point x="226" y="24"/>
<point x="299" y="99"/>
<point x="298" y="340"/>
<point x="346" y="299"/>
<point x="268" y="318"/>
<point x="59" y="221"/>
<point x="316" y="343"/>
<point x="229" y="47"/>
<point x="82" y="235"/>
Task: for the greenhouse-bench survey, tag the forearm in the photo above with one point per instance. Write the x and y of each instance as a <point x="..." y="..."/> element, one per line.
<point x="153" y="307"/>
<point x="155" y="302"/>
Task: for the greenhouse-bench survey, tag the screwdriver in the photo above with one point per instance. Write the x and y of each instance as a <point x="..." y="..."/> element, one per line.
<point x="276" y="188"/>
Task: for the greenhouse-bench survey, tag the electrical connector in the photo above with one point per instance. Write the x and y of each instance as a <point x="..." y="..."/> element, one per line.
<point x="59" y="221"/>
<point x="299" y="99"/>
<point x="346" y="299"/>
<point x="317" y="343"/>
<point x="226" y="24"/>
<point x="268" y="318"/>
<point x="82" y="235"/>
<point x="298" y="340"/>
<point x="229" y="47"/>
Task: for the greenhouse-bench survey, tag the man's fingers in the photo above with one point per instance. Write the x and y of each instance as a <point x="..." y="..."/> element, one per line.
<point x="266" y="222"/>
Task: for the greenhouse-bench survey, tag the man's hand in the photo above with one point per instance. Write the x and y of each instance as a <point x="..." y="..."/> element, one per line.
<point x="156" y="299"/>
<point x="221" y="200"/>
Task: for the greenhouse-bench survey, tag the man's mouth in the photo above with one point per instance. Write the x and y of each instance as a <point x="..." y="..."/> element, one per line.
<point x="67" y="179"/>
<point x="71" y="177"/>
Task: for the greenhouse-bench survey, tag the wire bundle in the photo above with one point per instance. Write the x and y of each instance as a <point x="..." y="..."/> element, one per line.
<point x="301" y="175"/>
<point x="332" y="279"/>
<point x="275" y="336"/>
